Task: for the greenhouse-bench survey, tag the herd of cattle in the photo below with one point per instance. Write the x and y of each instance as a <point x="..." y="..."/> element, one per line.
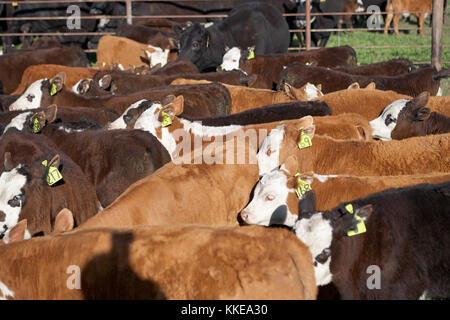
<point x="226" y="169"/>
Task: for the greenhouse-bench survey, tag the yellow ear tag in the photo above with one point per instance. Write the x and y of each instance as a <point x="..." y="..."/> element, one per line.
<point x="53" y="90"/>
<point x="53" y="175"/>
<point x="361" y="226"/>
<point x="251" y="55"/>
<point x="207" y="42"/>
<point x="222" y="67"/>
<point x="36" y="125"/>
<point x="303" y="187"/>
<point x="308" y="63"/>
<point x="103" y="64"/>
<point x="167" y="121"/>
<point x="305" y="140"/>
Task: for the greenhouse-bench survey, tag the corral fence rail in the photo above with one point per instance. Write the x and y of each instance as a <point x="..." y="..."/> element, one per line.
<point x="129" y="18"/>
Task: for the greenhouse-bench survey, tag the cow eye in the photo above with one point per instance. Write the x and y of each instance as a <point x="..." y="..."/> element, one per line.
<point x="195" y="45"/>
<point x="269" y="197"/>
<point x="389" y="120"/>
<point x="15" y="202"/>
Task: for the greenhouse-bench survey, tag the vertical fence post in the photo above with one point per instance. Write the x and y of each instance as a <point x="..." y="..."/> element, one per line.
<point x="436" y="49"/>
<point x="129" y="12"/>
<point x="308" y="24"/>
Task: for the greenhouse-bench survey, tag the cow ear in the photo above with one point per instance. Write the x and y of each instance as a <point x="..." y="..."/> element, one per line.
<point x="371" y="86"/>
<point x="105" y="81"/>
<point x="17" y="233"/>
<point x="8" y="163"/>
<point x="55" y="162"/>
<point x="178" y="29"/>
<point x="307" y="203"/>
<point x="50" y="113"/>
<point x="178" y="105"/>
<point x="173" y="43"/>
<point x="353" y="86"/>
<point x="58" y="81"/>
<point x="364" y="212"/>
<point x="421" y="113"/>
<point x="248" y="80"/>
<point x="64" y="221"/>
<point x="319" y="87"/>
<point x="84" y="86"/>
<point x="422" y="99"/>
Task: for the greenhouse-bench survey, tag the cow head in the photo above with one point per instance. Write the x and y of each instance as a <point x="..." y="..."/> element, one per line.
<point x="300" y="21"/>
<point x="128" y="119"/>
<point x="384" y="125"/>
<point x="40" y="93"/>
<point x="237" y="59"/>
<point x="319" y="229"/>
<point x="158" y="56"/>
<point x="17" y="182"/>
<point x="274" y="198"/>
<point x="33" y="122"/>
<point x="411" y="119"/>
<point x="197" y="45"/>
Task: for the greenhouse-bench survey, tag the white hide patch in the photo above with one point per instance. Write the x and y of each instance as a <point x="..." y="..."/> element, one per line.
<point x="18" y="121"/>
<point x="119" y="123"/>
<point x="317" y="233"/>
<point x="312" y="91"/>
<point x="439" y="93"/>
<point x="11" y="185"/>
<point x="231" y="59"/>
<point x="148" y="121"/>
<point x="383" y="126"/>
<point x="324" y="178"/>
<point x="158" y="56"/>
<point x="269" y="151"/>
<point x="30" y="99"/>
<point x="270" y="193"/>
<point x="5" y="293"/>
<point x="197" y="129"/>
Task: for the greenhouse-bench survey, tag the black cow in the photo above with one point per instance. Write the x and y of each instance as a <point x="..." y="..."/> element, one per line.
<point x="403" y="254"/>
<point x="251" y="24"/>
<point x="320" y="22"/>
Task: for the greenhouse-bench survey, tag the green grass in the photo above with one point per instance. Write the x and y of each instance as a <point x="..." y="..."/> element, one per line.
<point x="377" y="38"/>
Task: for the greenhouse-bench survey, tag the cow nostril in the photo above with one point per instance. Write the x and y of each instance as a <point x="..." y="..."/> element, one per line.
<point x="244" y="216"/>
<point x="2" y="216"/>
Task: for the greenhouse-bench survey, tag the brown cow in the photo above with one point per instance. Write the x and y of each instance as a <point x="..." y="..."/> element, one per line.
<point x="387" y="68"/>
<point x="27" y="192"/>
<point x="34" y="73"/>
<point x="201" y="100"/>
<point x="268" y="67"/>
<point x="394" y="9"/>
<point x="111" y="160"/>
<point x="124" y="51"/>
<point x="413" y="83"/>
<point x="157" y="263"/>
<point x="370" y="103"/>
<point x="417" y="155"/>
<point x="409" y="118"/>
<point x="243" y="98"/>
<point x="331" y="190"/>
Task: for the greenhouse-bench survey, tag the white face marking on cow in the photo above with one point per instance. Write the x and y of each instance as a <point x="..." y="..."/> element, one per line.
<point x="11" y="198"/>
<point x="270" y="196"/>
<point x="148" y="121"/>
<point x="383" y="126"/>
<point x="360" y="6"/>
<point x="30" y="99"/>
<point x="75" y="87"/>
<point x="269" y="151"/>
<point x="119" y="123"/>
<point x="312" y="91"/>
<point x="439" y="93"/>
<point x="317" y="233"/>
<point x="158" y="56"/>
<point x="18" y="121"/>
<point x="231" y="59"/>
<point x="5" y="292"/>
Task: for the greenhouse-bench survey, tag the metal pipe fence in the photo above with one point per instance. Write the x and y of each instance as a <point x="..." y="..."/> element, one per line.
<point x="129" y="17"/>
